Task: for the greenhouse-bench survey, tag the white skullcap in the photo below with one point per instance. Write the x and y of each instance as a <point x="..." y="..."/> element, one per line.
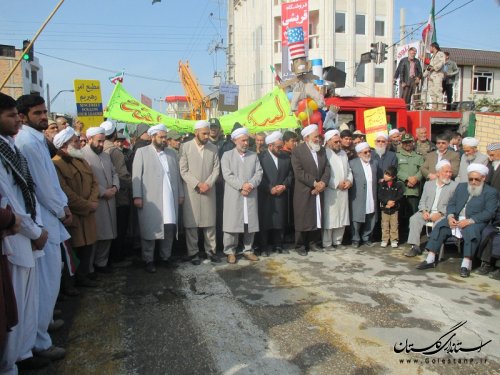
<point x="382" y="135"/>
<point x="440" y="164"/>
<point x="239" y="132"/>
<point x="273" y="137"/>
<point x="157" y="128"/>
<point x="331" y="133"/>
<point x="109" y="127"/>
<point x="470" y="142"/>
<point x="479" y="168"/>
<point x="393" y="131"/>
<point x="309" y="130"/>
<point x="63" y="136"/>
<point x="361" y="146"/>
<point x="493" y="146"/>
<point x="202" y="124"/>
<point x="94" y="131"/>
<point x="344" y="126"/>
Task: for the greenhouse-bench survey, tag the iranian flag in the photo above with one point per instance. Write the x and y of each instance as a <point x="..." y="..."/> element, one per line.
<point x="429" y="32"/>
<point x="118" y="77"/>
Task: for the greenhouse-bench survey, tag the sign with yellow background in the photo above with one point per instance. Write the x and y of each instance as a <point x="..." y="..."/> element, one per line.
<point x="375" y="122"/>
<point x="88" y="99"/>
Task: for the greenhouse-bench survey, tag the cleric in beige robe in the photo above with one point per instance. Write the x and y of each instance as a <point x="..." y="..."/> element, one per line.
<point x="242" y="174"/>
<point x="199" y="168"/>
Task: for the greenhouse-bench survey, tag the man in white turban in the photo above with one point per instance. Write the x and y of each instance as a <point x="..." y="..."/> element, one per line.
<point x="336" y="196"/>
<point x="312" y="173"/>
<point x="395" y="140"/>
<point x="469" y="210"/>
<point x="363" y="196"/>
<point x="383" y="155"/>
<point x="273" y="198"/>
<point x="432" y="205"/>
<point x="242" y="175"/>
<point x="470" y="155"/>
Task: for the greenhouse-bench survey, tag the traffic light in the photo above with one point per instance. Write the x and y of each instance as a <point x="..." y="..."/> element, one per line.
<point x="385" y="47"/>
<point x="373" y="52"/>
<point x="28" y="55"/>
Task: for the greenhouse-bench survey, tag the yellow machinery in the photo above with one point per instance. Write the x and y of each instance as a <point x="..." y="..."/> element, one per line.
<point x="196" y="98"/>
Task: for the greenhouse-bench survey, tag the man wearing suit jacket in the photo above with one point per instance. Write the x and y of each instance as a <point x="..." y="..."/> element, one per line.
<point x="432" y="206"/>
<point x="385" y="158"/>
<point x="469" y="210"/>
<point x="273" y="199"/>
<point x="443" y="152"/>
<point x="409" y="72"/>
<point x="363" y="196"/>
<point x="312" y="173"/>
<point x="157" y="191"/>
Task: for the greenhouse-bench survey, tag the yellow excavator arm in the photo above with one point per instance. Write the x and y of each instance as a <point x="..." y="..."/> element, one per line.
<point x="195" y="96"/>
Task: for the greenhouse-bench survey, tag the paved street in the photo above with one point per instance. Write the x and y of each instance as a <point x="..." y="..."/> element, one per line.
<point x="330" y="313"/>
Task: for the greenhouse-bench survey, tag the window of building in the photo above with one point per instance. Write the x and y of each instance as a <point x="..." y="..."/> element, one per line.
<point x="27" y="73"/>
<point x="379" y="28"/>
<point x="483" y="81"/>
<point x="379" y="75"/>
<point x="339" y="22"/>
<point x="360" y="76"/>
<point x="360" y="24"/>
<point x="340" y="65"/>
<point x="34" y="77"/>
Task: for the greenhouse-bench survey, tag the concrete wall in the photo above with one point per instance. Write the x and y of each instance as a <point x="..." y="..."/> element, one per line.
<point x="487" y="129"/>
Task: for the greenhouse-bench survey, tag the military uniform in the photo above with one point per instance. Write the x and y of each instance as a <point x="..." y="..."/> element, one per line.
<point x="409" y="164"/>
<point x="425" y="147"/>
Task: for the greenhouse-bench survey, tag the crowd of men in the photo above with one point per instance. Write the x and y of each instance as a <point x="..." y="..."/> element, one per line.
<point x="63" y="191"/>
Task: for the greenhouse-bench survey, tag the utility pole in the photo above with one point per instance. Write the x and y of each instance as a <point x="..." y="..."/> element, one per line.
<point x="402" y="26"/>
<point x="230" y="41"/>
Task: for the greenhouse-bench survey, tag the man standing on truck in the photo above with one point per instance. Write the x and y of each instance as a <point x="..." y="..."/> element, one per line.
<point x="409" y="72"/>
<point x="435" y="74"/>
<point x="450" y="73"/>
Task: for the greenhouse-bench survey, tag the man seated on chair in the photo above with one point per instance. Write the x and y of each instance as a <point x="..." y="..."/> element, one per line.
<point x="432" y="205"/>
<point x="471" y="207"/>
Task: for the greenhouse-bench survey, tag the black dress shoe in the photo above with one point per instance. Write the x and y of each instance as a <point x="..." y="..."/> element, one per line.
<point x="302" y="251"/>
<point x="413" y="252"/>
<point x="105" y="269"/>
<point x="485" y="268"/>
<point x="150" y="267"/>
<point x="424" y="265"/>
<point x="316" y="248"/>
<point x="283" y="251"/>
<point x="169" y="264"/>
<point x="196" y="261"/>
<point x="33" y="363"/>
<point x="369" y="244"/>
<point x="330" y="248"/>
<point x="464" y="272"/>
<point x="495" y="275"/>
<point x="93" y="276"/>
<point x="355" y="244"/>
<point x="214" y="258"/>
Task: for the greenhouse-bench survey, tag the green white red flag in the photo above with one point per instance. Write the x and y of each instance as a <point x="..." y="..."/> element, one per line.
<point x="118" y="77"/>
<point x="429" y="33"/>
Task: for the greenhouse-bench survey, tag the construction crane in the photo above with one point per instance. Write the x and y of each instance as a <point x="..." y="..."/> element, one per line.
<point x="196" y="98"/>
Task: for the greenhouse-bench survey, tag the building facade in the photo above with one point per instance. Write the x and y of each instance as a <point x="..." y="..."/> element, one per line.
<point x="26" y="79"/>
<point x="339" y="32"/>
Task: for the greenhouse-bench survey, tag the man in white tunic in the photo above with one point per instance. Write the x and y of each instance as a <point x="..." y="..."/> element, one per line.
<point x="157" y="191"/>
<point x="109" y="184"/>
<point x="18" y="193"/>
<point x="54" y="211"/>
<point x="336" y="197"/>
<point x="200" y="168"/>
<point x="471" y="155"/>
<point x="242" y="175"/>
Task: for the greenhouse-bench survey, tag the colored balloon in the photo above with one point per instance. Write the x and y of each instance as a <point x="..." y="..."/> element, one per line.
<point x="312" y="105"/>
<point x="302" y="116"/>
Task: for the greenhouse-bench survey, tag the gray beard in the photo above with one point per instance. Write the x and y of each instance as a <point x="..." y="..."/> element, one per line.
<point x="380" y="151"/>
<point x="75" y="152"/>
<point x="475" y="191"/>
<point x="313" y="146"/>
<point x="470" y="157"/>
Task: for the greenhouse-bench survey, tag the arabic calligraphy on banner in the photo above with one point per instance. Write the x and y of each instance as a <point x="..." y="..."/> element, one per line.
<point x="375" y="122"/>
<point x="293" y="14"/>
<point x="271" y="112"/>
<point x="88" y="102"/>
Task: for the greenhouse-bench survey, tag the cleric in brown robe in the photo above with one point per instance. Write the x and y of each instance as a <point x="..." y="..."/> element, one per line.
<point x="312" y="173"/>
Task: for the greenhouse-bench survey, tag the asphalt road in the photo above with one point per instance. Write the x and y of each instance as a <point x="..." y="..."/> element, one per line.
<point x="344" y="312"/>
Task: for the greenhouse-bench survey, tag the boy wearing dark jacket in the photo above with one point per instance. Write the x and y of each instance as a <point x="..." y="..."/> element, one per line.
<point x="390" y="192"/>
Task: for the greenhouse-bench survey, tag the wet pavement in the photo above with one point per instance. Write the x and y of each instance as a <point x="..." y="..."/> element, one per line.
<point x="355" y="311"/>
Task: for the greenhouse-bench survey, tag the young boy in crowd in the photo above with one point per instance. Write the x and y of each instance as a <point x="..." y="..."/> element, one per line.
<point x="390" y="193"/>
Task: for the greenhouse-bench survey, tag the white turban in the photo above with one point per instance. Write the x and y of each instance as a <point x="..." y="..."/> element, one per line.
<point x="63" y="136"/>
<point x="239" y="132"/>
<point x="157" y="128"/>
<point x="94" y="131"/>
<point x="479" y="168"/>
<point x="382" y="135"/>
<point x="440" y="164"/>
<point x="202" y="124"/>
<point x="331" y="133"/>
<point x="309" y="130"/>
<point x="470" y="142"/>
<point x="109" y="127"/>
<point x="361" y="146"/>
<point x="273" y="137"/>
<point x="393" y="131"/>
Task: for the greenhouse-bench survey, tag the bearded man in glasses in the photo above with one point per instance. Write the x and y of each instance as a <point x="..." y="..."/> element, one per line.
<point x="384" y="157"/>
<point x="469" y="210"/>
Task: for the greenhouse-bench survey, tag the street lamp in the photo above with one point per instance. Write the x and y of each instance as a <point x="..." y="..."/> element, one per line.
<point x="55" y="97"/>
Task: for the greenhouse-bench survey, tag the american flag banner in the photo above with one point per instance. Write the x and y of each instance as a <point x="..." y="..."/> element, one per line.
<point x="296" y="45"/>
